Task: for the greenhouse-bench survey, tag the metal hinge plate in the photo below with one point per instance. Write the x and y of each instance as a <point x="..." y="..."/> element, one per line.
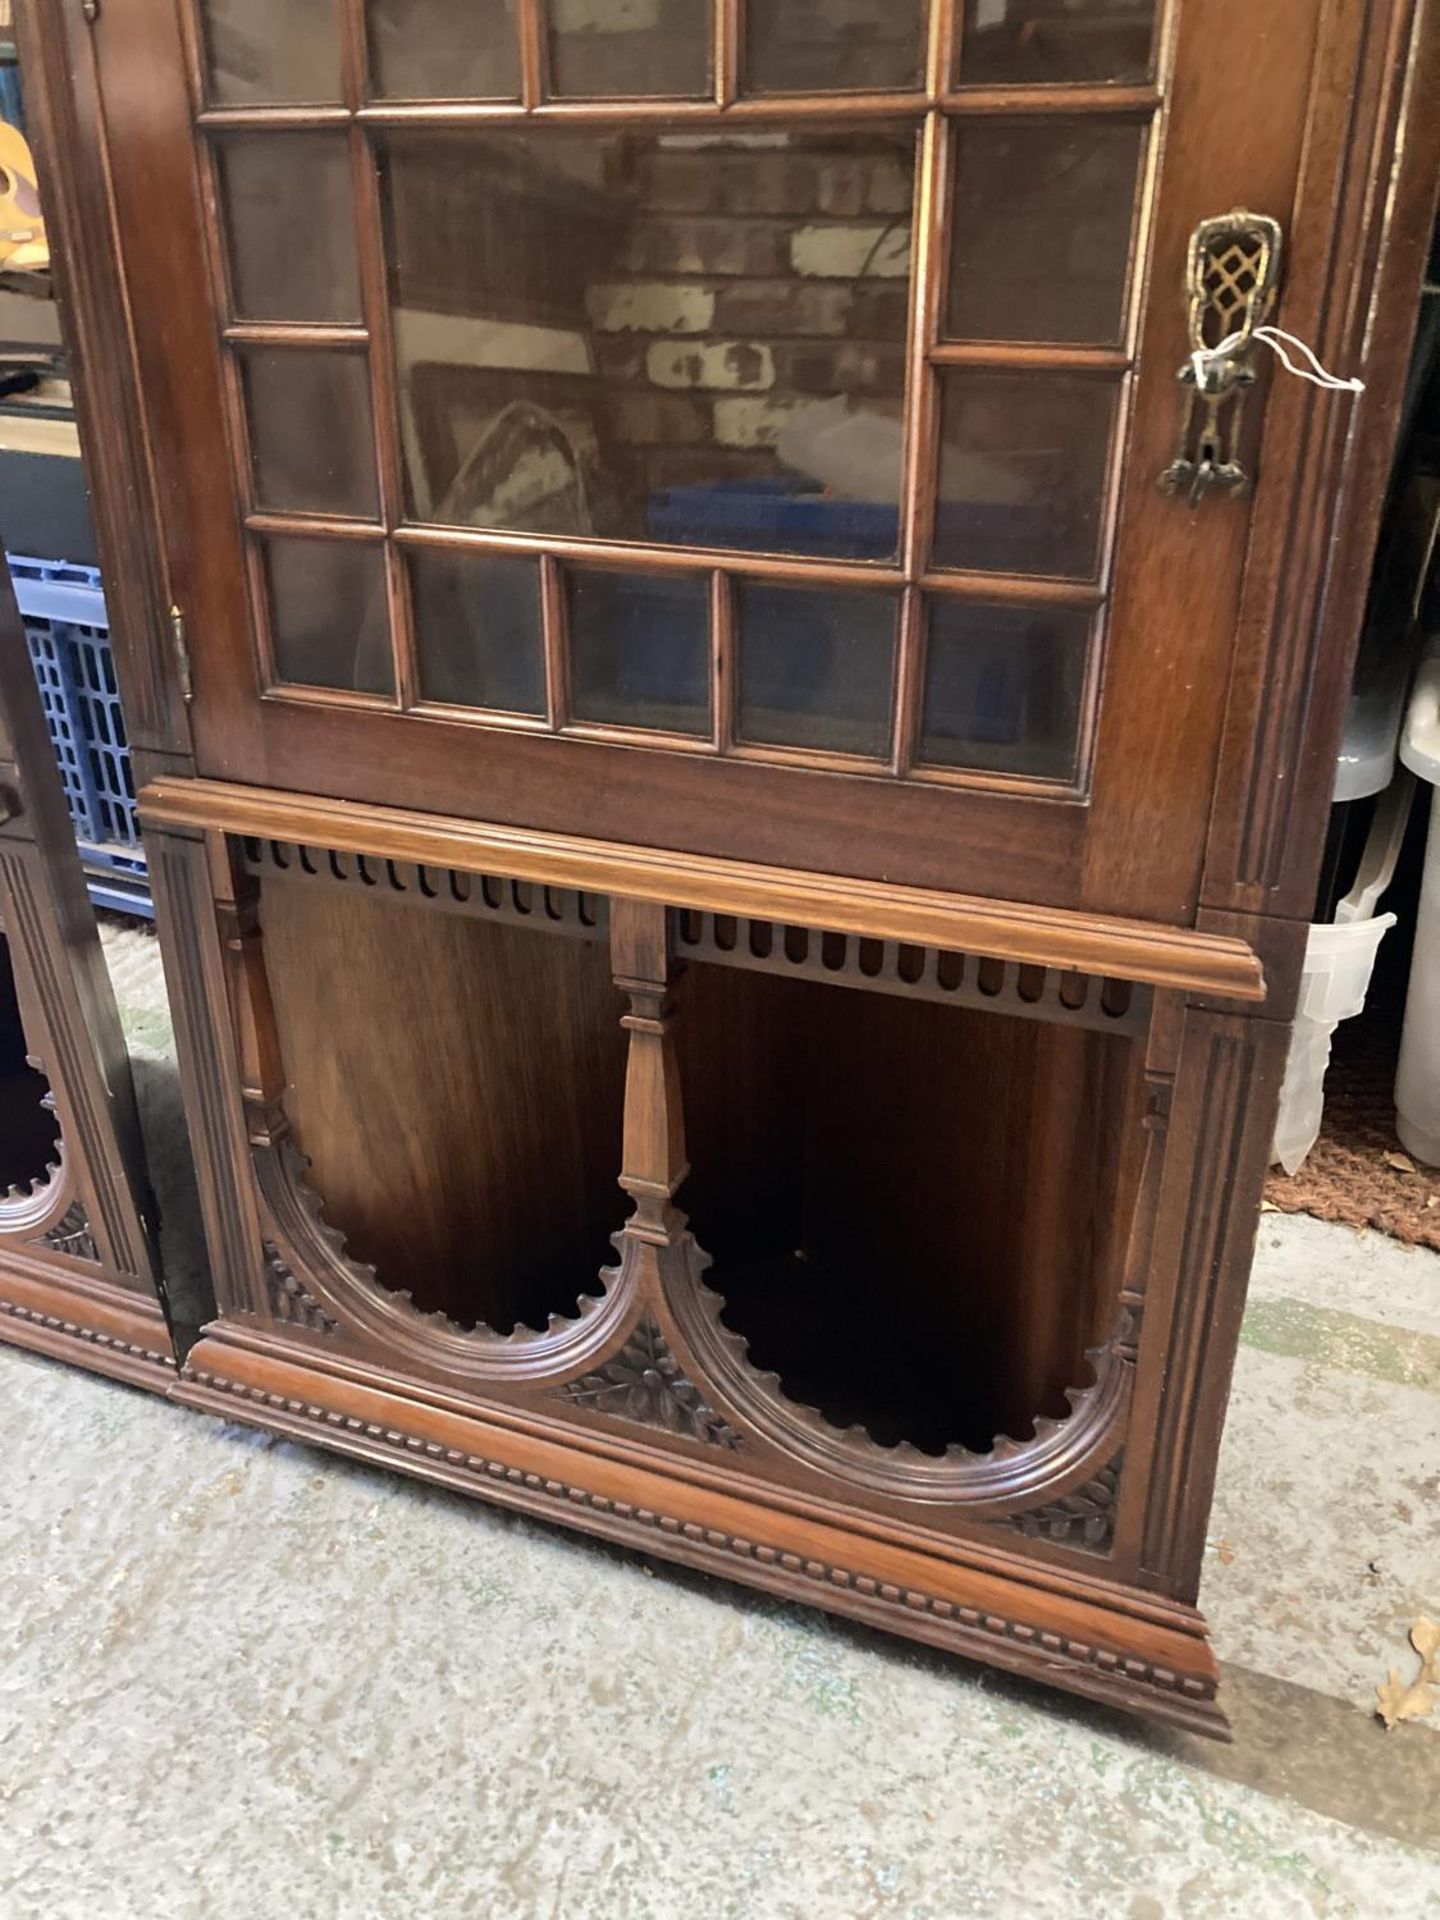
<point x="181" y="644"/>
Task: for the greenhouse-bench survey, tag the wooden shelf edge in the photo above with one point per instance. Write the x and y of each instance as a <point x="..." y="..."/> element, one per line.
<point x="1178" y="958"/>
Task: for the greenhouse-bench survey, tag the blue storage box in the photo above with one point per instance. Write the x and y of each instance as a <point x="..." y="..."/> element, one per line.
<point x="774" y="516"/>
<point x="63" y="610"/>
<point x="794" y="516"/>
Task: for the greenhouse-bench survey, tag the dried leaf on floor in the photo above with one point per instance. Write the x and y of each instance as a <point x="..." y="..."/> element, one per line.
<point x="1397" y="1699"/>
<point x="1401" y="1162"/>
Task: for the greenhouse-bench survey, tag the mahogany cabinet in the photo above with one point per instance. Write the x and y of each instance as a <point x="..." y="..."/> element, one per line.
<point x="732" y="813"/>
<point x="78" y="1272"/>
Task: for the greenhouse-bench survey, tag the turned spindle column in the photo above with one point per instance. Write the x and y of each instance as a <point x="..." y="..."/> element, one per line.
<point x="654" y="1161"/>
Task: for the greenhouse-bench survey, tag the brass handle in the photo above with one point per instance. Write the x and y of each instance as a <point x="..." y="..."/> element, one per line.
<point x="1231" y="282"/>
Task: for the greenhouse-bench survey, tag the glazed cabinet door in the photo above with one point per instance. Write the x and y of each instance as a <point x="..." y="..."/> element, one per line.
<point x="732" y="428"/>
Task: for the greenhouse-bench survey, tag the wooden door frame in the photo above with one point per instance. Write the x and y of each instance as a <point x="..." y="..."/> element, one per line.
<point x="1306" y="574"/>
<point x="1298" y="591"/>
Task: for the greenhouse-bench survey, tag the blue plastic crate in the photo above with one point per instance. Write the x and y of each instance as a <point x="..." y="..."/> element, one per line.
<point x="63" y="610"/>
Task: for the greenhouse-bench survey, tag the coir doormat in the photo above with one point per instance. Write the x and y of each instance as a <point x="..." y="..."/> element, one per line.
<point x="1357" y="1171"/>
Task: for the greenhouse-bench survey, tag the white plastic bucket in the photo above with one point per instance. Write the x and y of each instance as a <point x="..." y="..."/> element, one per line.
<point x="1417" y="1078"/>
<point x="1339" y="960"/>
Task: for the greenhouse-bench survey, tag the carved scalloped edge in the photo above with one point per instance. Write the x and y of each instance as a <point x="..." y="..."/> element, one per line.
<point x="28" y="1189"/>
<point x="1009" y="1468"/>
<point x="362" y="1304"/>
<point x="1048" y="1646"/>
<point x="41" y="1202"/>
<point x="53" y="1323"/>
<point x="23" y="1198"/>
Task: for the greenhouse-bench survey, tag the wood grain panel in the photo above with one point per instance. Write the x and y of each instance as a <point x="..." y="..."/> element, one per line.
<point x="458" y="1088"/>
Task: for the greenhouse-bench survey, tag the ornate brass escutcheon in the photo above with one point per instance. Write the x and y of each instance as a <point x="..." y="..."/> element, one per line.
<point x="1232" y="278"/>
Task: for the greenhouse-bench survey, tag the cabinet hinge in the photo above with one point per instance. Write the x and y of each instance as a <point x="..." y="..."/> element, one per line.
<point x="182" y="651"/>
<point x="91" y="10"/>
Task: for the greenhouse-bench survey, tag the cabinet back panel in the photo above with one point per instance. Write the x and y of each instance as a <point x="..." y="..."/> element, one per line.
<point x="917" y="1213"/>
<point x="458" y="1089"/>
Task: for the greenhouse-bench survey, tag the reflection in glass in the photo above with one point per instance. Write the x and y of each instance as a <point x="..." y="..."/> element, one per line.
<point x="654" y="336"/>
<point x="289" y="211"/>
<point x="477" y="628"/>
<point x="444" y="49"/>
<point x="271" y="52"/>
<point x="1040" y="243"/>
<point x="816" y="669"/>
<point x="329" y="618"/>
<point x="1024" y="460"/>
<point x="812" y="46"/>
<point x="639" y="650"/>
<point x="312" y="442"/>
<point x="1043" y="41"/>
<point x="1004" y="688"/>
<point x="602" y="49"/>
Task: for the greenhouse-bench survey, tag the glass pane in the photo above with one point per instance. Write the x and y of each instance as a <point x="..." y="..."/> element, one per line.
<point x="639" y="650"/>
<point x="477" y="620"/>
<point x="816" y="669"/>
<point x="1040" y="244"/>
<point x="1048" y="40"/>
<point x="1004" y="688"/>
<point x="289" y="208"/>
<point x="639" y="337"/>
<point x="444" y="49"/>
<point x="271" y="51"/>
<point x="603" y="48"/>
<point x="312" y="437"/>
<point x="813" y="46"/>
<point x="1024" y="461"/>
<point x="329" y="618"/>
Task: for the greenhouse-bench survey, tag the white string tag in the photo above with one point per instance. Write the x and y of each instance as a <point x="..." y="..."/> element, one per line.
<point x="1321" y="376"/>
<point x="1277" y="339"/>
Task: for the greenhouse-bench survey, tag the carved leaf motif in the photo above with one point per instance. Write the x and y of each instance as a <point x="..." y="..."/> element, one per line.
<point x="1084" y="1518"/>
<point x="71" y="1234"/>
<point x="644" y="1382"/>
<point x="289" y="1301"/>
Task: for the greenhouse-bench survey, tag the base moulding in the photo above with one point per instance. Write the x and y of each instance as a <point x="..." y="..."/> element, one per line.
<point x="87" y="1322"/>
<point x="1136" y="1651"/>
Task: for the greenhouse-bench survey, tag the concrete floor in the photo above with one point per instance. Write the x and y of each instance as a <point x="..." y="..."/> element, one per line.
<point x="240" y="1678"/>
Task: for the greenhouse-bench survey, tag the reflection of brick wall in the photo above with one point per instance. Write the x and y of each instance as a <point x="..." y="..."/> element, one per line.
<point x="751" y="279"/>
<point x="800" y="46"/>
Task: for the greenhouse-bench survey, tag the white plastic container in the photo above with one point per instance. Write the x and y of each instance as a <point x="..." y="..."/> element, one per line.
<point x="1339" y="960"/>
<point x="1417" y="1078"/>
